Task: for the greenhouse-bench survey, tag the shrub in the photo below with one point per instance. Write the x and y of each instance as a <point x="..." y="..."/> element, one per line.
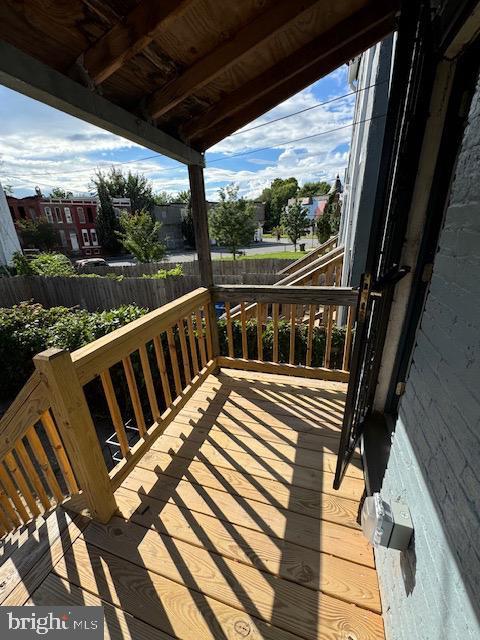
<point x="301" y="331"/>
<point x="45" y="264"/>
<point x="26" y="329"/>
<point x="162" y="274"/>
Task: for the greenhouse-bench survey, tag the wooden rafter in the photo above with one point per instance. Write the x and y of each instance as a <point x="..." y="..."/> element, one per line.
<point x="222" y="57"/>
<point x="281" y="91"/>
<point x="319" y="51"/>
<point x="129" y="36"/>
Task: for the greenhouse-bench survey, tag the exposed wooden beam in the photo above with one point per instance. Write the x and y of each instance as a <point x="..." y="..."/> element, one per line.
<point x="129" y="36"/>
<point x="236" y="293"/>
<point x="350" y="35"/>
<point x="33" y="78"/>
<point x="221" y="58"/>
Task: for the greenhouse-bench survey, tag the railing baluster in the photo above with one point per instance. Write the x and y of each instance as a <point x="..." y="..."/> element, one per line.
<point x="115" y="413"/>
<point x="311" y="327"/>
<point x="42" y="459"/>
<point x="201" y="339"/>
<point x="12" y="466"/>
<point x="208" y="329"/>
<point x="134" y="395"/>
<point x="59" y="451"/>
<point x="328" y="336"/>
<point x="193" y="346"/>
<point x="32" y="475"/>
<point x="183" y="347"/>
<point x="348" y="339"/>
<point x="157" y="343"/>
<point x="293" y="322"/>
<point x="174" y="361"/>
<point x="231" y="351"/>
<point x="275" y="311"/>
<point x="260" y="331"/>
<point x="7" y="507"/>
<point x="244" y="331"/>
<point x="147" y="375"/>
<point x="13" y="494"/>
<point x="5" y="526"/>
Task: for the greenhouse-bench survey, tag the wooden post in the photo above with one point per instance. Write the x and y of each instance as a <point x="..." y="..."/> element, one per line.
<point x="78" y="431"/>
<point x="202" y="241"/>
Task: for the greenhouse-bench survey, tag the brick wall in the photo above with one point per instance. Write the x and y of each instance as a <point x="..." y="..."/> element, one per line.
<point x="432" y="591"/>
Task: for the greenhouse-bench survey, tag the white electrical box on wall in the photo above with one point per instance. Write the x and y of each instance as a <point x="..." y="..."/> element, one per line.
<point x="386" y="524"/>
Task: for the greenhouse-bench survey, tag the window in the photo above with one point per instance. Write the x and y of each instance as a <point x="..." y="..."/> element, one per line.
<point x="48" y="213"/>
<point x="21" y="211"/>
<point x="90" y="214"/>
<point x="58" y="215"/>
<point x="63" y="238"/>
<point x="96" y="252"/>
<point x="93" y="233"/>
<point x="32" y="213"/>
<point x="74" y="241"/>
<point x="86" y="239"/>
<point x="68" y="215"/>
<point x="81" y="215"/>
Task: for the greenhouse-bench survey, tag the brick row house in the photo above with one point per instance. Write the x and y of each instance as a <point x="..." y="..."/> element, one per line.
<point x="73" y="220"/>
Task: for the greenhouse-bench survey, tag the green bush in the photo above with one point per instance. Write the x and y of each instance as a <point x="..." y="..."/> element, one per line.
<point x="26" y="329"/>
<point x="301" y="332"/>
<point x="162" y="274"/>
<point x="45" y="264"/>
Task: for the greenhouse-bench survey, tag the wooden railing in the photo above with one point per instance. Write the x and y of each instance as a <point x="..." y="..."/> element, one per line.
<point x="295" y="330"/>
<point x="35" y="470"/>
<point x="321" y="250"/>
<point x="52" y="437"/>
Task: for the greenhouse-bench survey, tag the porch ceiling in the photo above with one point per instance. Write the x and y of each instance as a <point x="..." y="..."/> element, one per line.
<point x="179" y="75"/>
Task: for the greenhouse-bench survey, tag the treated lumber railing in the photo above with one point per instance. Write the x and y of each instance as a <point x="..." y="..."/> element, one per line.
<point x="51" y="443"/>
<point x="286" y="315"/>
<point x="321" y="250"/>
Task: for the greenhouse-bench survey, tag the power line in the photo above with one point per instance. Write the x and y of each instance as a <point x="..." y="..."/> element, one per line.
<point x="285" y="142"/>
<point x="315" y="106"/>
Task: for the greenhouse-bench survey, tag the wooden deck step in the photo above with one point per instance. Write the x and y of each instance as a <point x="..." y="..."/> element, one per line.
<point x="287" y="605"/>
<point x="334" y="576"/>
<point x="312" y="533"/>
<point x="308" y="502"/>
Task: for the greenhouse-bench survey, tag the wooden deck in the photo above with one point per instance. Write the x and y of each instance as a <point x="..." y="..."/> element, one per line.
<point x="230" y="527"/>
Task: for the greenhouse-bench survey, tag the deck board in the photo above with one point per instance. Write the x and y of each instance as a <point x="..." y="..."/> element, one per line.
<point x="228" y="527"/>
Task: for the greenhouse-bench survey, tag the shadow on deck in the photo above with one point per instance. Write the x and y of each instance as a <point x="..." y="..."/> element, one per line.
<point x="229" y="527"/>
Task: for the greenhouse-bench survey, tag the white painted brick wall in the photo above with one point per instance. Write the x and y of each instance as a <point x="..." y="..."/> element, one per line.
<point x="432" y="591"/>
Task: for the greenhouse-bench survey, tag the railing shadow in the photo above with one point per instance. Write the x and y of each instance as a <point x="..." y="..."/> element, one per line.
<point x="198" y="572"/>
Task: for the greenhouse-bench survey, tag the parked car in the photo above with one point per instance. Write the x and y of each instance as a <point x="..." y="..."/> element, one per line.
<point x="92" y="262"/>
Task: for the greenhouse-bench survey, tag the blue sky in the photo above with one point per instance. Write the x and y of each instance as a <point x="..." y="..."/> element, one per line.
<point x="44" y="147"/>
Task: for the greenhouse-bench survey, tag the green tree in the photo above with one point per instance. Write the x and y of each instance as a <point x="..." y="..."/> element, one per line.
<point x="295" y="222"/>
<point x="188" y="228"/>
<point x="139" y="236"/>
<point x="58" y="192"/>
<point x="130" y="185"/>
<point x="162" y="197"/>
<point x="106" y="223"/>
<point x="276" y="198"/>
<point x="333" y="210"/>
<point x="8" y="189"/>
<point x="37" y="234"/>
<point x="311" y="189"/>
<point x="232" y="221"/>
<point x="323" y="228"/>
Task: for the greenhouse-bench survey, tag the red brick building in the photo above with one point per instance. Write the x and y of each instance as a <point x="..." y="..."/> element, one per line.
<point x="73" y="220"/>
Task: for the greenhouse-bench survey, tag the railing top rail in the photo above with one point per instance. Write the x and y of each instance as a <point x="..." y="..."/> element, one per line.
<point x="341" y="296"/>
<point x="25" y="410"/>
<point x="101" y="354"/>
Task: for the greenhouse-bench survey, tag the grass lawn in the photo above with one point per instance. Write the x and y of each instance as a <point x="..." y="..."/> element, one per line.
<point x="286" y="255"/>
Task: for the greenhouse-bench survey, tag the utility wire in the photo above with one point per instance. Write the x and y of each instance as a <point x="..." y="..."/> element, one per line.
<point x="285" y="142"/>
<point x="315" y="106"/>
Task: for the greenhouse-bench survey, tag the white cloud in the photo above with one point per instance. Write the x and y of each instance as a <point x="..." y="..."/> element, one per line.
<point x="41" y="146"/>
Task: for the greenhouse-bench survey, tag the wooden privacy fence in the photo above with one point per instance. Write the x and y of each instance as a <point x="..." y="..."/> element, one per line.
<point x="144" y="373"/>
<point x="101" y="294"/>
